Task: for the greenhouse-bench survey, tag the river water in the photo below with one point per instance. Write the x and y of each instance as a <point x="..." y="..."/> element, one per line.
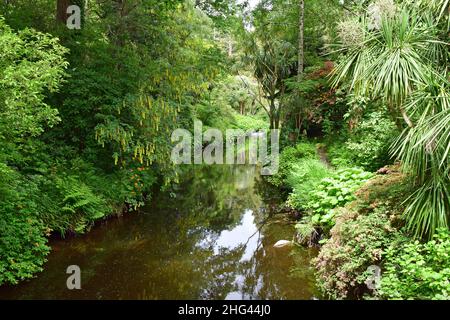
<point x="210" y="238"/>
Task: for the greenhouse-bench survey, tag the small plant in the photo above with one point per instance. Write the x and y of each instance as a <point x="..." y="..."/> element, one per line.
<point x="23" y="245"/>
<point x="335" y="192"/>
<point x="414" y="270"/>
<point x="321" y="204"/>
<point x="80" y="204"/>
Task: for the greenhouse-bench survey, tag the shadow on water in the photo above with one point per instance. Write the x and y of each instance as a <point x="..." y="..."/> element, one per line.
<point x="209" y="239"/>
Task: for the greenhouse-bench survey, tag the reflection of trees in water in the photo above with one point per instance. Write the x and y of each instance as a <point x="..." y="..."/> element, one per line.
<point x="257" y="278"/>
<point x="220" y="273"/>
<point x="217" y="195"/>
<point x="169" y="251"/>
<point x="255" y="282"/>
<point x="267" y="274"/>
<point x="269" y="195"/>
<point x="225" y="194"/>
<point x="212" y="200"/>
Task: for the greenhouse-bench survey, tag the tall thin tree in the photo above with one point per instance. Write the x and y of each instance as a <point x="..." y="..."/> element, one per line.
<point x="301" y="40"/>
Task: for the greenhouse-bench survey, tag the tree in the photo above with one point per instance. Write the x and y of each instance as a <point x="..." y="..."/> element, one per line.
<point x="301" y="46"/>
<point x="308" y="29"/>
<point x="31" y="64"/>
<point x="272" y="62"/>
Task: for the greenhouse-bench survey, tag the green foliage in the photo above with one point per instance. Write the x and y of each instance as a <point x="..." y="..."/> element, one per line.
<point x="23" y="245"/>
<point x="357" y="242"/>
<point x="369" y="143"/>
<point x="80" y="150"/>
<point x="251" y="123"/>
<point x="289" y="156"/>
<point x="31" y="64"/>
<point x="334" y="192"/>
<point x="414" y="270"/>
<point x="214" y="115"/>
<point x="340" y="156"/>
<point x="239" y="92"/>
<point x="304" y="177"/>
<point x="425" y="154"/>
<point x="80" y="207"/>
<point x="364" y="228"/>
<point x="403" y="62"/>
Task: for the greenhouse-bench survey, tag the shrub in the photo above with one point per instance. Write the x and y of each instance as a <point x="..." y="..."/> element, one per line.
<point x="334" y="192"/>
<point x="303" y="178"/>
<point x="288" y="158"/>
<point x="69" y="197"/>
<point x="363" y="230"/>
<point x="340" y="156"/>
<point x="80" y="206"/>
<point x="369" y="144"/>
<point x="414" y="270"/>
<point x="23" y="245"/>
<point x="338" y="190"/>
<point x="357" y="242"/>
<point x="366" y="146"/>
<point x="250" y="123"/>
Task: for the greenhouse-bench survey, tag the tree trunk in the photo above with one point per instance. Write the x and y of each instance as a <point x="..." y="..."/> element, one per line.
<point x="301" y="40"/>
<point x="242" y="107"/>
<point x="273" y="114"/>
<point x="61" y="10"/>
<point x="406" y="117"/>
<point x="230" y="47"/>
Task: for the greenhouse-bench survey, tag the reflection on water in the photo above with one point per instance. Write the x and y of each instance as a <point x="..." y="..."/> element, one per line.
<point x="209" y="239"/>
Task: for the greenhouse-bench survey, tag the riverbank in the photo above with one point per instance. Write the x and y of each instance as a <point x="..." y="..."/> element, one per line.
<point x="355" y="219"/>
<point x="209" y="241"/>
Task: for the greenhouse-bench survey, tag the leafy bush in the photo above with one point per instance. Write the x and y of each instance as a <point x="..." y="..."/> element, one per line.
<point x="31" y="65"/>
<point x="79" y="204"/>
<point x="334" y="192"/>
<point x="357" y="242"/>
<point x="340" y="156"/>
<point x="304" y="177"/>
<point x="415" y="270"/>
<point x="250" y="123"/>
<point x="366" y="146"/>
<point x="23" y="245"/>
<point x="68" y="198"/>
<point x="363" y="230"/>
<point x="288" y="158"/>
<point x="218" y="116"/>
<point x="338" y="190"/>
<point x="369" y="144"/>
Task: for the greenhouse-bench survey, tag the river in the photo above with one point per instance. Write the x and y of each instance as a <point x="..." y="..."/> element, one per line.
<point x="210" y="238"/>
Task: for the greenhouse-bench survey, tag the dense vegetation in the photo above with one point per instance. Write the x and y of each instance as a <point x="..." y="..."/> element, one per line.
<point x="360" y="92"/>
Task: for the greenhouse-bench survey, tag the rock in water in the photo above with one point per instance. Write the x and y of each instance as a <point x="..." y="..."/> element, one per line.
<point x="282" y="244"/>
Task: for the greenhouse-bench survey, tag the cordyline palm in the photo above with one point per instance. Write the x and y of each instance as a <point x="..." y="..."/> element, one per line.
<point x="424" y="151"/>
<point x="272" y="62"/>
<point x="404" y="64"/>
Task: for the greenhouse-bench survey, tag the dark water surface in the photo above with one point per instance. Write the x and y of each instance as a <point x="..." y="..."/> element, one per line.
<point x="210" y="239"/>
